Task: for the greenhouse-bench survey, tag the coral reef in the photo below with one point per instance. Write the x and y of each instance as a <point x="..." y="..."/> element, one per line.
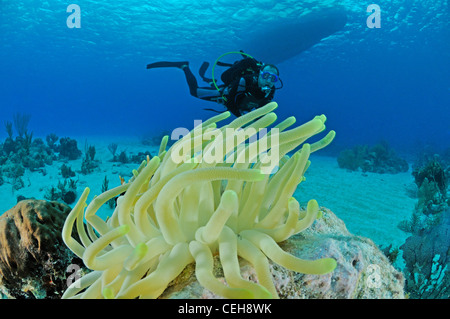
<point x="23" y="152"/>
<point x="68" y="149"/>
<point x="390" y="252"/>
<point x="432" y="181"/>
<point x="19" y="154"/>
<point x="112" y="202"/>
<point x="21" y="121"/>
<point x="379" y="158"/>
<point x="33" y="257"/>
<point x="428" y="263"/>
<point x="66" y="171"/>
<point x="209" y="194"/>
<point x="89" y="162"/>
<point x="362" y="272"/>
<point x="65" y="191"/>
<point x="112" y="147"/>
<point x="137" y="158"/>
<point x="29" y="153"/>
<point x="124" y="158"/>
<point x="51" y="140"/>
<point x="426" y="251"/>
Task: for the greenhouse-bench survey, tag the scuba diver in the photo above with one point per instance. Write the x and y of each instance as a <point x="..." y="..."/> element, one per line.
<point x="247" y="84"/>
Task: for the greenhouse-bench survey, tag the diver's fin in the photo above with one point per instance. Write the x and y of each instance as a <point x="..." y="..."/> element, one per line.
<point x="165" y="64"/>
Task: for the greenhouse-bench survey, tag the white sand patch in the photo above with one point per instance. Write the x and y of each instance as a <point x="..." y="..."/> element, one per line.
<point x="370" y="204"/>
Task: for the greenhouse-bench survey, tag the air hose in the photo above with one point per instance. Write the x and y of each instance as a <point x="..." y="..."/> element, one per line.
<point x="215" y="63"/>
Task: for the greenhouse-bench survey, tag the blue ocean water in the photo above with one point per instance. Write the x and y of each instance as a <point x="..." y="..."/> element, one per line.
<point x="388" y="83"/>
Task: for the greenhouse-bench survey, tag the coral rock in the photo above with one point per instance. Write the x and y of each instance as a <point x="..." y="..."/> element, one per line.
<point x="427" y="261"/>
<point x="33" y="257"/>
<point x="363" y="271"/>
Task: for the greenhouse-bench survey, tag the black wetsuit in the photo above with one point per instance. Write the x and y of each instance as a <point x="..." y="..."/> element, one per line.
<point x="244" y="94"/>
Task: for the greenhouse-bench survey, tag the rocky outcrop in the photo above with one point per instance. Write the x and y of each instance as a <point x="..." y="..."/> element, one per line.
<point x="363" y="271"/>
<point x="33" y="256"/>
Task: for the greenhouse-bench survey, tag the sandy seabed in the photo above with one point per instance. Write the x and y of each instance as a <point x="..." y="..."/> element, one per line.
<point x="370" y="204"/>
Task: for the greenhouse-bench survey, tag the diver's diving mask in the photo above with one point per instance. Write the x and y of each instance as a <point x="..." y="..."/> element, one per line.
<point x="269" y="76"/>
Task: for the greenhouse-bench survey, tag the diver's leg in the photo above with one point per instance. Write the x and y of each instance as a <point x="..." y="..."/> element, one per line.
<point x="204" y="93"/>
<point x="208" y="94"/>
<point x="190" y="79"/>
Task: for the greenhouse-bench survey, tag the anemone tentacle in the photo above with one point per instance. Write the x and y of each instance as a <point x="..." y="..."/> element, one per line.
<point x="216" y="191"/>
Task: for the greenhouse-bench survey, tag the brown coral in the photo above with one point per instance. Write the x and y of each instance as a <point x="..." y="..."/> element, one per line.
<point x="32" y="254"/>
